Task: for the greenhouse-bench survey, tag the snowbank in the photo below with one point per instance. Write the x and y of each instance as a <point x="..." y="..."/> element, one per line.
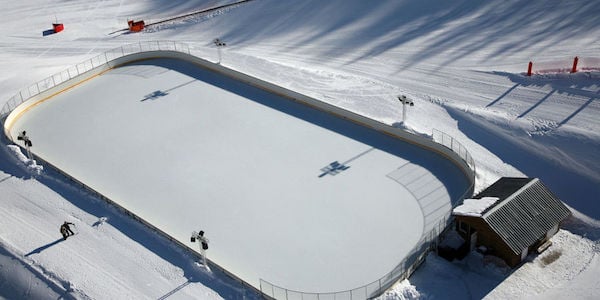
<point x="30" y="163"/>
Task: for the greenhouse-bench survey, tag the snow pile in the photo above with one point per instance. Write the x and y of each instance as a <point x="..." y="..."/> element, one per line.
<point x="474" y="207"/>
<point x="566" y="270"/>
<point x="30" y="163"/>
<point x="571" y="261"/>
<point x="402" y="290"/>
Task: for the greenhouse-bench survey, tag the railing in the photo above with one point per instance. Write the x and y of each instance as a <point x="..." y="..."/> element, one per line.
<point x="452" y="144"/>
<point x="412" y="260"/>
<point x="86" y="66"/>
<point x="403" y="270"/>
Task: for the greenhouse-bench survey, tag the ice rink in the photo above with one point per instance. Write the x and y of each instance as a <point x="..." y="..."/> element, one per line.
<point x="284" y="192"/>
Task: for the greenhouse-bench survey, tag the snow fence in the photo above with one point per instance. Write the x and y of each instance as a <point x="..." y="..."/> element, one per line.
<point x="438" y="142"/>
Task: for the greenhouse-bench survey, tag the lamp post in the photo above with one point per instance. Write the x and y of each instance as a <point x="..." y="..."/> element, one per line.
<point x="26" y="141"/>
<point x="202" y="243"/>
<point x="404" y="102"/>
<point x="220" y="44"/>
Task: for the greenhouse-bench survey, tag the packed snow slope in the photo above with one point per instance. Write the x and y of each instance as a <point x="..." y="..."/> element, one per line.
<point x="461" y="61"/>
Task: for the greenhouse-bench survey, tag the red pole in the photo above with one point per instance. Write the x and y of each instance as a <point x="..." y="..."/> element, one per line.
<point x="529" y="68"/>
<point x="574" y="69"/>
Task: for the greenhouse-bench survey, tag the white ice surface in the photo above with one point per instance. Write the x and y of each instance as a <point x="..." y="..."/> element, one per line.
<point x="187" y="149"/>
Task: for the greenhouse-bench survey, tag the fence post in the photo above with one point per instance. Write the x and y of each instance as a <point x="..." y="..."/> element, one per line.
<point x="529" y="68"/>
<point x="574" y="68"/>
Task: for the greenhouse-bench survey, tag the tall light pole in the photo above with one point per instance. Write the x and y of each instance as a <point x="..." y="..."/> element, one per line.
<point x="220" y="44"/>
<point x="405" y="101"/>
<point x="203" y="244"/>
<point x="23" y="137"/>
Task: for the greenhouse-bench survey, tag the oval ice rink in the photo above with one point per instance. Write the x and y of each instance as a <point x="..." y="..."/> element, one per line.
<point x="285" y="193"/>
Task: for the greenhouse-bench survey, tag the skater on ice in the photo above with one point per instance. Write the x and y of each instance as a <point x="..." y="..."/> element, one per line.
<point x="65" y="230"/>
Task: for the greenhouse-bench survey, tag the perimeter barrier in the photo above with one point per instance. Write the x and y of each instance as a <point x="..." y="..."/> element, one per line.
<point x="78" y="71"/>
<point x="451" y="143"/>
<point x="438" y="142"/>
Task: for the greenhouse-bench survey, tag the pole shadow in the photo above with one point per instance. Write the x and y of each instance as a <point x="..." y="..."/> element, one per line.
<point x="574" y="186"/>
<point x="175" y="290"/>
<point x="503" y="95"/>
<point x="567" y="119"/>
<point x="158" y="93"/>
<point x="537" y="104"/>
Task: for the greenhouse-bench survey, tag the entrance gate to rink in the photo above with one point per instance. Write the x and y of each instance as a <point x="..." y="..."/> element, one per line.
<point x="439" y="142"/>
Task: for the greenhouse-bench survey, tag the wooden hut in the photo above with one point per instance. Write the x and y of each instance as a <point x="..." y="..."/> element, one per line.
<point x="511" y="218"/>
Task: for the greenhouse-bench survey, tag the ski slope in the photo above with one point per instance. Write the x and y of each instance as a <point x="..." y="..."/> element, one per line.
<point x="461" y="62"/>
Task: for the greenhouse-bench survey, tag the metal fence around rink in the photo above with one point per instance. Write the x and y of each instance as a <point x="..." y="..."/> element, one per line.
<point x="403" y="270"/>
<point x="86" y="66"/>
<point x="454" y="145"/>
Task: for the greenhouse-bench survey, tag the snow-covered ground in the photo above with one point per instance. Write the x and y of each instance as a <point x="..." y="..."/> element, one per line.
<point x="462" y="63"/>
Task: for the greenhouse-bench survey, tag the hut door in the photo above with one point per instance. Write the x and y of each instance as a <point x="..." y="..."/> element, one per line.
<point x="473" y="242"/>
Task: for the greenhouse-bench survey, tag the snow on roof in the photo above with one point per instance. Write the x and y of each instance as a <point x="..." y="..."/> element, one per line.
<point x="474" y="207"/>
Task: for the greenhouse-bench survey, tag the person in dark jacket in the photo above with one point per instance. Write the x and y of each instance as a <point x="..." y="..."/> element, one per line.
<point x="65" y="230"/>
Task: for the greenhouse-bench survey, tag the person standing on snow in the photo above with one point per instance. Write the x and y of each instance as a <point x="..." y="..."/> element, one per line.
<point x="65" y="230"/>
